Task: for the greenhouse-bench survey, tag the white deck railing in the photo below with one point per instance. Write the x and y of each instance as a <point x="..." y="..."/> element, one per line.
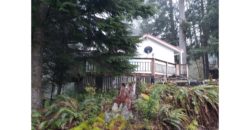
<point x="158" y="67"/>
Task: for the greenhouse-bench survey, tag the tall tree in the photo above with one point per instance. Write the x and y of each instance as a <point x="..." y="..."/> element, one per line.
<point x="173" y="35"/>
<point x="200" y="28"/>
<point x="94" y="29"/>
<point x="203" y="16"/>
<point x="204" y="40"/>
<point x="164" y="23"/>
<point x="182" y="31"/>
<point x="38" y="18"/>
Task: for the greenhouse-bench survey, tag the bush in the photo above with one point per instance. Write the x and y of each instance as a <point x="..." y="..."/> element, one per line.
<point x="96" y="123"/>
<point x="172" y="118"/>
<point x="200" y="103"/>
<point x="62" y="114"/>
<point x="36" y="119"/>
<point x="118" y="122"/>
<point x="66" y="112"/>
<point x="180" y="107"/>
<point x="148" y="105"/>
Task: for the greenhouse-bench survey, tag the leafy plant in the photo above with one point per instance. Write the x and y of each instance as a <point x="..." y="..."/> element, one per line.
<point x="90" y="89"/>
<point x="62" y="114"/>
<point x="172" y="118"/>
<point x="193" y="125"/>
<point x="173" y="107"/>
<point x="36" y="119"/>
<point x="90" y="107"/>
<point x="148" y="105"/>
<point x="117" y="123"/>
<point x="142" y="87"/>
<point x="199" y="103"/>
<point x="96" y="123"/>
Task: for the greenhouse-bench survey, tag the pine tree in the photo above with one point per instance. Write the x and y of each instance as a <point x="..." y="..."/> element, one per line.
<point x="182" y="31"/>
<point x="163" y="23"/>
<point x="84" y="30"/>
<point x="204" y="30"/>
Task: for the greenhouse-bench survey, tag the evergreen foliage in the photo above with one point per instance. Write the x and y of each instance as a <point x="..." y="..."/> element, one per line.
<point x="200" y="28"/>
<point x="68" y="33"/>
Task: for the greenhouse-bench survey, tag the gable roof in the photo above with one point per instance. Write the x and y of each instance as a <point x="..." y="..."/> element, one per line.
<point x="177" y="49"/>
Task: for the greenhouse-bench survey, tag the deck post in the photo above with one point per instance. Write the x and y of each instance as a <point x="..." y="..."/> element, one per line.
<point x="177" y="69"/>
<point x="153" y="66"/>
<point x="152" y="78"/>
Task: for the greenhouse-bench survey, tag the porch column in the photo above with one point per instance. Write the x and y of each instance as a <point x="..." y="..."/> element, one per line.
<point x="153" y="66"/>
<point x="152" y="77"/>
<point x="177" y="69"/>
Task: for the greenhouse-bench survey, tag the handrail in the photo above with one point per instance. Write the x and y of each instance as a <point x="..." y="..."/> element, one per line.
<point x="155" y="59"/>
<point x="179" y="68"/>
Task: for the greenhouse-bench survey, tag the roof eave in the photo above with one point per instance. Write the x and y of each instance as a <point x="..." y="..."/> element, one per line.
<point x="176" y="49"/>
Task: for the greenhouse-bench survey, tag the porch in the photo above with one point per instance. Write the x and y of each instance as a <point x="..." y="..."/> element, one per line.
<point x="146" y="68"/>
<point x="160" y="69"/>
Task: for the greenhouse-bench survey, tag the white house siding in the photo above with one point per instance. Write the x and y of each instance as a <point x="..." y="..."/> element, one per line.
<point x="159" y="51"/>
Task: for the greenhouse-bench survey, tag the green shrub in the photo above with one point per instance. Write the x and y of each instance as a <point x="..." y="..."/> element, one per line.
<point x="172" y="118"/>
<point x="36" y="119"/>
<point x="90" y="107"/>
<point x="199" y="103"/>
<point x="95" y="123"/>
<point x="62" y="114"/>
<point x="90" y="89"/>
<point x="148" y="108"/>
<point x="176" y="107"/>
<point x="118" y="122"/>
<point x="193" y="125"/>
<point x="142" y="88"/>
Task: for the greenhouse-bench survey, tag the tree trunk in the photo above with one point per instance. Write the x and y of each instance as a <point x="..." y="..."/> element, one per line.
<point x="173" y="31"/>
<point x="52" y="91"/>
<point x="182" y="36"/>
<point x="37" y="68"/>
<point x="38" y="17"/>
<point x="206" y="64"/>
<point x="204" y="42"/>
<point x="198" y="69"/>
<point x="59" y="88"/>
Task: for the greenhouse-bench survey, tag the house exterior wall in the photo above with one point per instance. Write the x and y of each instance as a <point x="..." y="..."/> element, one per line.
<point x="159" y="51"/>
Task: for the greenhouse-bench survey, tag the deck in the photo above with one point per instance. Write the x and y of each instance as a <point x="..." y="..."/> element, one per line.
<point x="158" y="68"/>
<point x="162" y="71"/>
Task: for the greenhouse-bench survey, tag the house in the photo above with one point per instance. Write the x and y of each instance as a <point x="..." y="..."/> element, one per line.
<point x="155" y="61"/>
<point x="156" y="58"/>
